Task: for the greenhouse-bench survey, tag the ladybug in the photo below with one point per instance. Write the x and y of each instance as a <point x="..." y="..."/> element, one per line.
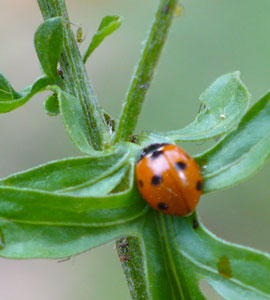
<point x="169" y="179"/>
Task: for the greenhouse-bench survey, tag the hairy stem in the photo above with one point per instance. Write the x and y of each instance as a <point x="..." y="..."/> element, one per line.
<point x="150" y="262"/>
<point x="131" y="256"/>
<point x="129" y="248"/>
<point x="75" y="76"/>
<point x="145" y="70"/>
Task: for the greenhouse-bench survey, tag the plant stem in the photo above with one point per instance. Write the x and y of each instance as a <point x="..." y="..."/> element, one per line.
<point x="145" y="70"/>
<point x="131" y="256"/>
<point x="150" y="262"/>
<point x="75" y="76"/>
<point x="129" y="248"/>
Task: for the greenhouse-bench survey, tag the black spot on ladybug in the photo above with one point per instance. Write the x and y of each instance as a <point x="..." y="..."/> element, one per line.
<point x="180" y="166"/>
<point x="156" y="180"/>
<point x="199" y="186"/>
<point x="162" y="206"/>
<point x="151" y="148"/>
<point x="141" y="183"/>
<point x="156" y="154"/>
<point x="195" y="223"/>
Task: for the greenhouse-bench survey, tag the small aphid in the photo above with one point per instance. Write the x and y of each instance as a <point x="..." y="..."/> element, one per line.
<point x="195" y="223"/>
<point x="60" y="72"/>
<point x="202" y="107"/>
<point x="178" y="10"/>
<point x="111" y="125"/>
<point x="133" y="139"/>
<point x="123" y="243"/>
<point x="80" y="35"/>
<point x="124" y="258"/>
<point x="144" y="86"/>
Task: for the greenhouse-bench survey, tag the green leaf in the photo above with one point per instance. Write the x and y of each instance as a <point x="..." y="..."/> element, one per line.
<point x="70" y="173"/>
<point x="102" y="186"/>
<point x="40" y="84"/>
<point x="235" y="272"/>
<point x="178" y="256"/>
<point x="24" y="95"/>
<point x="74" y="121"/>
<point x="241" y="152"/>
<point x="55" y="209"/>
<point x="225" y="101"/>
<point x="48" y="40"/>
<point x="6" y="90"/>
<point x="61" y="193"/>
<point x="51" y="105"/>
<point x="108" y="25"/>
<point x="166" y="276"/>
<point x="28" y="241"/>
<point x="90" y="200"/>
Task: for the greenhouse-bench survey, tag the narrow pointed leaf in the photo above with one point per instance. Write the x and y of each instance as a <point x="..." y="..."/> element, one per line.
<point x="25" y="95"/>
<point x="107" y="26"/>
<point x="31" y="221"/>
<point x="100" y="187"/>
<point x="29" y="241"/>
<point x="70" y="173"/>
<point x="6" y="90"/>
<point x="48" y="208"/>
<point x="241" y="153"/>
<point x="94" y="197"/>
<point x="74" y="120"/>
<point x="48" y="40"/>
<point x="225" y="101"/>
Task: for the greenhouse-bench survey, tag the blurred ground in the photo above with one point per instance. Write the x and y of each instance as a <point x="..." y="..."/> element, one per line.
<point x="211" y="38"/>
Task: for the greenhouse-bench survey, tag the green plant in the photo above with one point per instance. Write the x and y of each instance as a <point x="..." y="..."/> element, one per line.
<point x="75" y="204"/>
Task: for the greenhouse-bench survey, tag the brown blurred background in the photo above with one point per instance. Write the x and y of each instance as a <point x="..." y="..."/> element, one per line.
<point x="211" y="38"/>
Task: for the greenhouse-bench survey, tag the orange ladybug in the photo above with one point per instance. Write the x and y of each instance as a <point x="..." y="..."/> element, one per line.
<point x="169" y="179"/>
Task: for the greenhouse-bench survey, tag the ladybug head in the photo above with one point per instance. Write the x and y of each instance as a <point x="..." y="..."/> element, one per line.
<point x="151" y="148"/>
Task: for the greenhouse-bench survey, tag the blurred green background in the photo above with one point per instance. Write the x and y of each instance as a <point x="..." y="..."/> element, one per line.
<point x="211" y="38"/>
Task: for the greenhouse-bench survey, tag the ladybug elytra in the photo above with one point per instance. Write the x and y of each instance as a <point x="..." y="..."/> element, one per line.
<point x="169" y="179"/>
